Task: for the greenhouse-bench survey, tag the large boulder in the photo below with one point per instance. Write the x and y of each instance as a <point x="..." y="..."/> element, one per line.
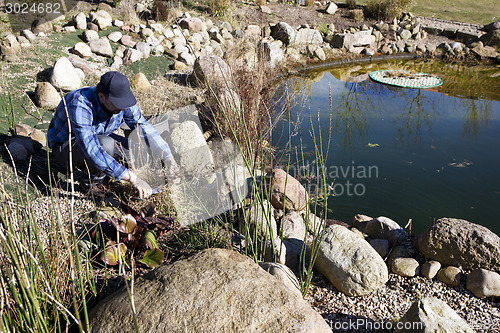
<point x="283" y="32"/>
<point x="382" y="228"/>
<point x="101" y="47"/>
<point x="286" y="191"/>
<point x="215" y="290"/>
<point x="431" y="314"/>
<point x="348" y="41"/>
<point x="273" y="53"/>
<point x="308" y="36"/>
<point x="64" y="75"/>
<point x="46" y="96"/>
<point x="191" y="149"/>
<point x="483" y="283"/>
<point x="492" y="26"/>
<point x="491" y="38"/>
<point x="349" y="262"/>
<point x="455" y="242"/>
<point x="212" y="71"/>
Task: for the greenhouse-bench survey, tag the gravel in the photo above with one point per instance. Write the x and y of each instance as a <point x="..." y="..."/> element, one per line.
<point x="379" y="311"/>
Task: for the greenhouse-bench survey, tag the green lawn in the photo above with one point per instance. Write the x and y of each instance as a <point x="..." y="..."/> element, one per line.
<point x="470" y="11"/>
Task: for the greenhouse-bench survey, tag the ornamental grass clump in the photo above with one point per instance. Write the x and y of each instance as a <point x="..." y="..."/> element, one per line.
<point x="388" y="9"/>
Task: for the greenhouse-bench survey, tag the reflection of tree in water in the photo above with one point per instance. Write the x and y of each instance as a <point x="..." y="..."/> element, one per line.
<point x="418" y="109"/>
<point x="477" y="114"/>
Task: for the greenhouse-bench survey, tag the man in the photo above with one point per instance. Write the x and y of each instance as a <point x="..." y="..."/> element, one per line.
<point x="95" y="113"/>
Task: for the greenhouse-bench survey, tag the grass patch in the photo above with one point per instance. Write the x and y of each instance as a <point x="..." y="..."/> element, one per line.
<point x="152" y="67"/>
<point x="478" y="12"/>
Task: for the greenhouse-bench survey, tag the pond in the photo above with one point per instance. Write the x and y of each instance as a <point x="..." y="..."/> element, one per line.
<point x="418" y="154"/>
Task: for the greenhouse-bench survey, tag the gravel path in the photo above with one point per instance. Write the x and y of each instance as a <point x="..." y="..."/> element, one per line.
<point x="378" y="311"/>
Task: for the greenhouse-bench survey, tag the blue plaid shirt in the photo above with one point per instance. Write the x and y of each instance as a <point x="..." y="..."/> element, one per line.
<point x="89" y="120"/>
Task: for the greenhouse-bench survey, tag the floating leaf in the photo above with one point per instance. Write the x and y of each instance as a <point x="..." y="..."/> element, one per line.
<point x="371" y="145"/>
<point x="152" y="258"/>
<point x="149" y="240"/>
<point x="112" y="252"/>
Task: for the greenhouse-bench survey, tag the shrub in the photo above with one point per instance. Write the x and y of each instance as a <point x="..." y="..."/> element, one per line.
<point x="309" y="3"/>
<point x="357" y="15"/>
<point x="387" y="9"/>
<point x="260" y="2"/>
<point x="219" y="7"/>
<point x="351" y="4"/>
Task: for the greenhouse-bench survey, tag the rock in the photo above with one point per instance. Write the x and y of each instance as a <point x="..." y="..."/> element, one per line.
<point x="101" y="47"/>
<point x="308" y="36"/>
<point x="28" y="34"/>
<point x="320" y="54"/>
<point x="212" y="71"/>
<point x="64" y="75"/>
<point x="491" y="38"/>
<point x="292" y="226"/>
<point x="41" y="25"/>
<point x="265" y="10"/>
<point x="127" y="41"/>
<point x="434" y="315"/>
<point x="492" y="26"/>
<point x="283" y="32"/>
<point x="46" y="96"/>
<point x="115" y="36"/>
<point x="102" y="19"/>
<point x="383" y="228"/>
<point x="431" y="47"/>
<point x="405" y="34"/>
<point x="485" y="51"/>
<point x="117" y="62"/>
<point x="191" y="149"/>
<point x="80" y="21"/>
<point x="231" y="293"/>
<point x="82" y="64"/>
<point x="483" y="283"/>
<point x="157" y="50"/>
<point x="181" y="48"/>
<point x="349" y="262"/>
<point x="92" y="26"/>
<point x="82" y="50"/>
<point x="461" y="243"/>
<point x="273" y="53"/>
<point x="139" y="81"/>
<point x="457" y="46"/>
<point x="89" y="35"/>
<point x="287" y="252"/>
<point x="118" y="23"/>
<point x="261" y="221"/>
<point x="10" y="46"/>
<point x="146" y="32"/>
<point x="283" y="274"/>
<point x="193" y="24"/>
<point x="429" y="269"/>
<point x="347" y="41"/>
<point x="314" y="224"/>
<point x="187" y="58"/>
<point x="131" y="55"/>
<point x="23" y="41"/>
<point x="405" y="267"/>
<point x="331" y="8"/>
<point x="450" y="275"/>
<point x="381" y="246"/>
<point x="286" y="191"/>
<point x="144" y="48"/>
<point x="179" y="66"/>
<point x="370" y="52"/>
<point x="17" y="151"/>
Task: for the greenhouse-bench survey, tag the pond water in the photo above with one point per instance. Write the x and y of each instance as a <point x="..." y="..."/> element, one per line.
<point x="398" y="152"/>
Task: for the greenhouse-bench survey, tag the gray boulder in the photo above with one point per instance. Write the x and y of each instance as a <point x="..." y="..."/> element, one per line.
<point x="283" y="274"/>
<point x="349" y="262"/>
<point x="260" y="222"/>
<point x="432" y="315"/>
<point x="101" y="47"/>
<point x="191" y="149"/>
<point x="273" y="54"/>
<point x="283" y="32"/>
<point x="492" y="26"/>
<point x="215" y="290"/>
<point x="212" y="71"/>
<point x="308" y="36"/>
<point x="348" y="40"/>
<point x="131" y="55"/>
<point x="187" y="58"/>
<point x="89" y="35"/>
<point x="483" y="283"/>
<point x="491" y="38"/>
<point x="381" y="246"/>
<point x="144" y="48"/>
<point x="287" y="252"/>
<point x="102" y="19"/>
<point x="82" y="50"/>
<point x="46" y="96"/>
<point x="80" y="21"/>
<point x="331" y="8"/>
<point x="382" y="228"/>
<point x="41" y="26"/>
<point x="64" y="76"/>
<point x="461" y="243"/>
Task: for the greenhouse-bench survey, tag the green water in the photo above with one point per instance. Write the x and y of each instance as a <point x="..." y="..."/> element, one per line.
<point x="396" y="152"/>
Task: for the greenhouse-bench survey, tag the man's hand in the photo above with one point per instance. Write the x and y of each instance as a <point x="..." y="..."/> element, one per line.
<point x="140" y="185"/>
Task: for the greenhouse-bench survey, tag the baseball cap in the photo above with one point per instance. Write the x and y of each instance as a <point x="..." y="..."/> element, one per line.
<point x="115" y="85"/>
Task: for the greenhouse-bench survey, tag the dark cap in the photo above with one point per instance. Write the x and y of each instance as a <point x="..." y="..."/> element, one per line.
<point x="115" y="85"/>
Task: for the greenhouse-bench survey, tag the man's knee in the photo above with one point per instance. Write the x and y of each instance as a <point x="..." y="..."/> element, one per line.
<point x="107" y="143"/>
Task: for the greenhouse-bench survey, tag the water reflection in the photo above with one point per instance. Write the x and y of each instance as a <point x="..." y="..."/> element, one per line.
<point x="417" y="138"/>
